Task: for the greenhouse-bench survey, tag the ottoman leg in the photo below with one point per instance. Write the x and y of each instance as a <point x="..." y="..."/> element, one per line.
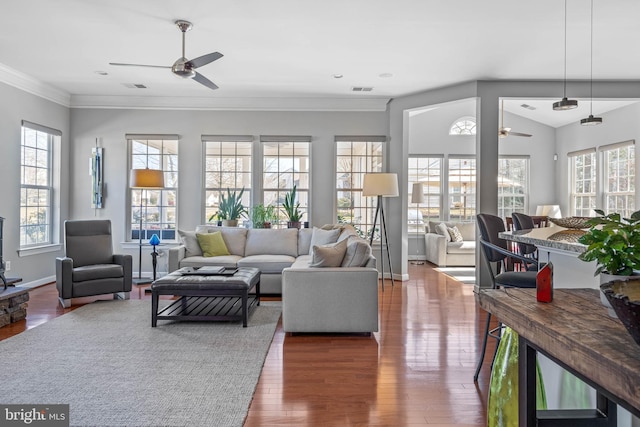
<point x="245" y="309"/>
<point x="154" y="309"/>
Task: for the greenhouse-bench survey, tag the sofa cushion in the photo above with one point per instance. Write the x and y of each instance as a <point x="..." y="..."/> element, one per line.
<point x="347" y="231"/>
<point x="267" y="263"/>
<point x="323" y="237"/>
<point x="442" y="230"/>
<point x="357" y="254"/>
<point x="464" y="247"/>
<point x="467" y="230"/>
<point x="190" y="242"/>
<point x="330" y="255"/>
<point x="234" y="237"/>
<point x="212" y="244"/>
<point x="97" y="271"/>
<point x="269" y="241"/>
<point x="304" y="240"/>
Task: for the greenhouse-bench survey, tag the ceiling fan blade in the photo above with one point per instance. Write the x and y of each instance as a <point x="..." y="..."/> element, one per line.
<point x="205" y="81"/>
<point x="120" y="64"/>
<point x="204" y="59"/>
<point x="519" y="134"/>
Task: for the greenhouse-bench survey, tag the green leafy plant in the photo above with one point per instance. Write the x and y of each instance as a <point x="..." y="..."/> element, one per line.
<point x="613" y="242"/>
<point x="291" y="206"/>
<point x="261" y="215"/>
<point x="231" y="207"/>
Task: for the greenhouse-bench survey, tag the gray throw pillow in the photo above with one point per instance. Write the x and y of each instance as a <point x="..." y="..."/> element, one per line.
<point x="442" y="230"/>
<point x="330" y="255"/>
<point x="323" y="237"/>
<point x="190" y="242"/>
<point x="357" y="254"/>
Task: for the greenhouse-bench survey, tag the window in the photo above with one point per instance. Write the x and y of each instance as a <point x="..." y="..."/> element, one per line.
<point x="462" y="189"/>
<point x="463" y="126"/>
<point x="37" y="184"/>
<point x="582" y="166"/>
<point x="156" y="208"/>
<point x="513" y="185"/>
<point x="286" y="163"/>
<point x="619" y="173"/>
<point x="356" y="157"/>
<point x="227" y="166"/>
<point x="428" y="171"/>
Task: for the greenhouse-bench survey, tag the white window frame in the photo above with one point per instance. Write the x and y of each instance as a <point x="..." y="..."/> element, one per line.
<point x="432" y="187"/>
<point x="468" y="193"/>
<point x="464" y="126"/>
<point x="362" y="209"/>
<point x="166" y="161"/>
<point x="286" y="179"/>
<point x="625" y="197"/>
<point x="237" y="144"/>
<point x="506" y="211"/>
<point x="591" y="197"/>
<point x="47" y="161"/>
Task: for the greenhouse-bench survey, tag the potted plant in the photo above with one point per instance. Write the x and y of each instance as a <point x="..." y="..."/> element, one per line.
<point x="231" y="208"/>
<point x="292" y="209"/>
<point x="262" y="216"/>
<point x="215" y="218"/>
<point x="613" y="242"/>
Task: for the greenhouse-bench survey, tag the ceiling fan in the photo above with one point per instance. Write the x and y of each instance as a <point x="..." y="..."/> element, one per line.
<point x="184" y="67"/>
<point x="503" y="132"/>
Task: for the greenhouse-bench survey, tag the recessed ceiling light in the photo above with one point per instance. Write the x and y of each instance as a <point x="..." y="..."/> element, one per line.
<point x="338" y="76"/>
<point x="102" y="73"/>
<point x="385" y="75"/>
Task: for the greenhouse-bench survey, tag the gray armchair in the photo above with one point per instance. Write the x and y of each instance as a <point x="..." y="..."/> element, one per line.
<point x="90" y="267"/>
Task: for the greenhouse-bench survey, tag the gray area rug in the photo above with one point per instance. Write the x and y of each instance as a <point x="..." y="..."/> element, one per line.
<point x="114" y="369"/>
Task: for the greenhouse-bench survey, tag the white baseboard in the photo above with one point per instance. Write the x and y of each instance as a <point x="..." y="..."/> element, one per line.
<point x="37" y="283"/>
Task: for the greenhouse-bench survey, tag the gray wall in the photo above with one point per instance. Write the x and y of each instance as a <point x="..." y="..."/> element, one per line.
<point x="112" y="125"/>
<point x="15" y="106"/>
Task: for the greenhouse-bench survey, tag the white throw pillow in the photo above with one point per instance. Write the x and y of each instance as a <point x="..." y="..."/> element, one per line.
<point x="330" y="255"/>
<point x="323" y="237"/>
<point x="442" y="230"/>
<point x="190" y="242"/>
<point x="455" y="234"/>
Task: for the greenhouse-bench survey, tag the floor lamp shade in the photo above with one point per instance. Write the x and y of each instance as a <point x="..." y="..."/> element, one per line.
<point x="417" y="193"/>
<point x="552" y="211"/>
<point x="146" y="178"/>
<point x="380" y="184"/>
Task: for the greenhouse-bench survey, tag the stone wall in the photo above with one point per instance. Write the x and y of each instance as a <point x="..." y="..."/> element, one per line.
<point x="13" y="305"/>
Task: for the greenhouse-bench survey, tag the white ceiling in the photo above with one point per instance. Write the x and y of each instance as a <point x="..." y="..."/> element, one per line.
<point x="290" y="49"/>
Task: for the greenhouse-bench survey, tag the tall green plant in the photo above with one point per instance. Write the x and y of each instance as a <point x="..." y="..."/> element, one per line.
<point x="613" y="242"/>
<point x="291" y="206"/>
<point x="261" y="214"/>
<point x="231" y="207"/>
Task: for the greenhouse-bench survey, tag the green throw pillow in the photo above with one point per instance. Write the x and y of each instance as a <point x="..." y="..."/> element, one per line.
<point x="212" y="244"/>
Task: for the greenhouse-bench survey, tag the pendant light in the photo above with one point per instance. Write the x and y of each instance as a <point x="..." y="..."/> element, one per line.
<point x="564" y="103"/>
<point x="591" y="121"/>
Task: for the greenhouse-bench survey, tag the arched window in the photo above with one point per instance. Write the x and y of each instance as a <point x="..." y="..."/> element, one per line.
<point x="463" y="126"/>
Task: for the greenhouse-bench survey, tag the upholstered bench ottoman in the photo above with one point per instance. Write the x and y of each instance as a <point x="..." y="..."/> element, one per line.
<point x="206" y="297"/>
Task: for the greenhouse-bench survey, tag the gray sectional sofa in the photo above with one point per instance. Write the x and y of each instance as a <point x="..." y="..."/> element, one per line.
<point x="315" y="297"/>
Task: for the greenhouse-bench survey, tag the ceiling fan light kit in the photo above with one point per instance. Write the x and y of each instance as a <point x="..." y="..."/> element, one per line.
<point x="565" y="103"/>
<point x="503" y="132"/>
<point x="184" y="67"/>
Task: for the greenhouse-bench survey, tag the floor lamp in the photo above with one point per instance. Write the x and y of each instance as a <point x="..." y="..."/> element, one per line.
<point x="381" y="185"/>
<point x="144" y="179"/>
<point x="417" y="197"/>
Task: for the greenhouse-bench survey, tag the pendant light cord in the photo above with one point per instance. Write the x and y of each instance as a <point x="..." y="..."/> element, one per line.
<point x="565" y="49"/>
<point x="591" y="78"/>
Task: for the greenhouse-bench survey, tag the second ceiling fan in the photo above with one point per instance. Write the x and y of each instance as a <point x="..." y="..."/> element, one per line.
<point x="503" y="132"/>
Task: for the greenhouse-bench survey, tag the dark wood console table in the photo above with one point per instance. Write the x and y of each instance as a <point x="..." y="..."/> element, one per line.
<point x="576" y="332"/>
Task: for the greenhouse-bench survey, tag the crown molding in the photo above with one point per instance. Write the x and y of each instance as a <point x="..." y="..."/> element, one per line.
<point x="368" y="104"/>
<point x="33" y="86"/>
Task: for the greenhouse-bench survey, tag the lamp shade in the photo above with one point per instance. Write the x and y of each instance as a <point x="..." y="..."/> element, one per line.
<point x="146" y="178"/>
<point x="552" y="211"/>
<point x="417" y="193"/>
<point x="155" y="240"/>
<point x="380" y="184"/>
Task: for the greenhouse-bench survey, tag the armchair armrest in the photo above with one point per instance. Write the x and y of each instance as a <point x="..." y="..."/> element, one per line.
<point x="126" y="261"/>
<point x="435" y="246"/>
<point x="64" y="276"/>
<point x="176" y="254"/>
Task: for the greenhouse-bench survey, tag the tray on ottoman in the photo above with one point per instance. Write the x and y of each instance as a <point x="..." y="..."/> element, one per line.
<point x="206" y="297"/>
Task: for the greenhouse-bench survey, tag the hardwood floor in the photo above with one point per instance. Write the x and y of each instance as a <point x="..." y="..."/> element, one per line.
<point x="417" y="370"/>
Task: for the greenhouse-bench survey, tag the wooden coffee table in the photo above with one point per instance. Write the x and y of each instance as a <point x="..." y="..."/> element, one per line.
<point x="209" y="297"/>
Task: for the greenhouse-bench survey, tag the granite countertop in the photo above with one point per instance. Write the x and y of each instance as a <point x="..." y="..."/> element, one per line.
<point x="554" y="237"/>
